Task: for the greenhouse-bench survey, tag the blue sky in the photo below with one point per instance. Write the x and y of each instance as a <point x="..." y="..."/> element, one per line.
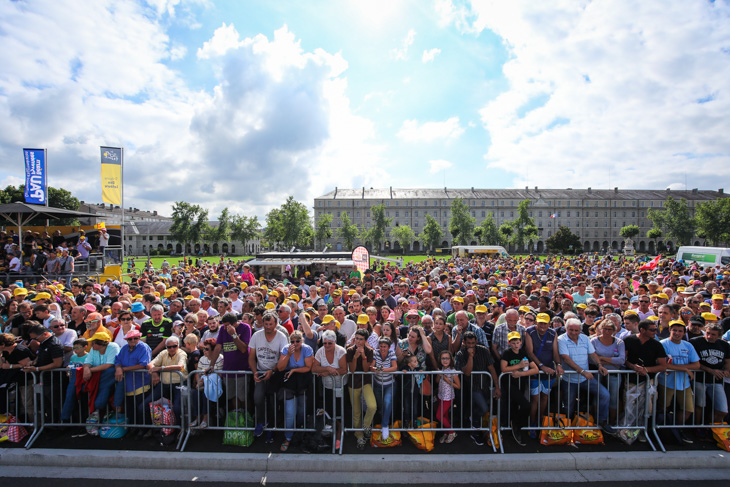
<point x="242" y="103"/>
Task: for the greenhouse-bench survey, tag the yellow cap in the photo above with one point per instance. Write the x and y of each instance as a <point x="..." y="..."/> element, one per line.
<point x="363" y="319"/>
<point x="514" y="335"/>
<point x="543" y="318"/>
<point x="709" y="316"/>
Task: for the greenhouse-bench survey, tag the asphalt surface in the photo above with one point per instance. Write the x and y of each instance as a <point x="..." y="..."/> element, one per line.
<point x="53" y="482"/>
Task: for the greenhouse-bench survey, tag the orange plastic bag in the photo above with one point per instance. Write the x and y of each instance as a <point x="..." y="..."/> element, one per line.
<point x="589" y="436"/>
<point x="722" y="436"/>
<point x="393" y="440"/>
<point x="423" y="440"/>
<point x="557" y="434"/>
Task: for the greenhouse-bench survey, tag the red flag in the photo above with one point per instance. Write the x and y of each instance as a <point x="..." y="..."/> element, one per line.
<point x="649" y="266"/>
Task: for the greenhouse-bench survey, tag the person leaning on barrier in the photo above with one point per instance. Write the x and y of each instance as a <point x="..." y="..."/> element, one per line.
<point x="164" y="382"/>
<point x="612" y="355"/>
<point x="359" y="359"/>
<point x="714" y="356"/>
<point x="264" y="351"/>
<point x="541" y="346"/>
<point x="475" y="357"/>
<point x="515" y="362"/>
<point x="14" y="356"/>
<point x="675" y="393"/>
<point x="156" y="329"/>
<point x="330" y="363"/>
<point x="233" y="341"/>
<point x="296" y="363"/>
<point x="132" y="380"/>
<point x="575" y="351"/>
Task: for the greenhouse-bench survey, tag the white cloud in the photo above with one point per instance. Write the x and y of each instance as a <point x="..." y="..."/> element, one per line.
<point x="401" y="54"/>
<point x="430" y="54"/>
<point x="413" y="131"/>
<point x="636" y="89"/>
<point x="277" y="121"/>
<point x="438" y="165"/>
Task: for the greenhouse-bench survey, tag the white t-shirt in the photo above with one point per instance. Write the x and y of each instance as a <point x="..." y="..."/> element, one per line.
<point x="237" y="306"/>
<point x="267" y="352"/>
<point x="330" y="381"/>
<point x="15" y="265"/>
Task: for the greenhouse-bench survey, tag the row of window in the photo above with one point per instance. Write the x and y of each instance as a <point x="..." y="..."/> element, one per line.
<point x="406" y="203"/>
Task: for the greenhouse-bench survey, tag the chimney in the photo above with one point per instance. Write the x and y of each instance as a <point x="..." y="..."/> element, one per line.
<point x="527" y="188"/>
<point x="721" y="190"/>
<point x="615" y="190"/>
<point x="694" y="190"/>
<point x="535" y="188"/>
<point x="335" y="191"/>
<point x="154" y="213"/>
<point x="391" y="192"/>
<point x="589" y="189"/>
<point x="363" y="192"/>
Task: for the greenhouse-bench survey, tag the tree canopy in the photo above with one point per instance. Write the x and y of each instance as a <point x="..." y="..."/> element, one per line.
<point x="324" y="229"/>
<point x="524" y="230"/>
<point x="461" y="225"/>
<point x="675" y="220"/>
<point x="348" y="231"/>
<point x="564" y="241"/>
<point x="629" y="231"/>
<point x="289" y="225"/>
<point x="189" y="222"/>
<point x="489" y="232"/>
<point x="404" y="236"/>
<point x="713" y="221"/>
<point x="432" y="233"/>
<point x="57" y="198"/>
<point x="376" y="234"/>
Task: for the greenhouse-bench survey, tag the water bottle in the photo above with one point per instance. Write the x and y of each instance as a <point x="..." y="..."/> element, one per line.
<point x="526" y="363"/>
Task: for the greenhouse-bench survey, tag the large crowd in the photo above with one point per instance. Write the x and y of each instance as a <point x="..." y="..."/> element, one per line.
<point x="539" y="320"/>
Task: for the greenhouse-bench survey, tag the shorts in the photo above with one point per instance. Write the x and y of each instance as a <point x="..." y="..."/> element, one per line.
<point x="236" y="386"/>
<point x="541" y="386"/>
<point x="682" y="398"/>
<point x="716" y="393"/>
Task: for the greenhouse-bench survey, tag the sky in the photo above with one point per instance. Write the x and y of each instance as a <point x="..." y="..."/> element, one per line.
<point x="242" y="103"/>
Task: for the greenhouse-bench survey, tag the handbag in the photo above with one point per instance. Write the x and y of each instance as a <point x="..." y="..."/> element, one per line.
<point x="426" y="389"/>
<point x="556" y="434"/>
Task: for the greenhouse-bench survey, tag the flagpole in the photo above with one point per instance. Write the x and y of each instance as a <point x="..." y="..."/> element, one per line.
<point x="121" y="265"/>
<point x="45" y="175"/>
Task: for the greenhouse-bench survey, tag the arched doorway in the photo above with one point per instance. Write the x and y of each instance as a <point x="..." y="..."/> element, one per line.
<point x="444" y="244"/>
<point x="587" y="246"/>
<point x="652" y="248"/>
<point x="224" y="248"/>
<point x="540" y="247"/>
<point x="197" y="248"/>
<point x="473" y="242"/>
<point x="144" y="249"/>
<point x="215" y="248"/>
<point x="642" y="246"/>
<point x="206" y="249"/>
<point x="178" y="249"/>
<point x="160" y="247"/>
<point x="604" y="246"/>
<point x="188" y="250"/>
<point x="697" y="243"/>
<point x="614" y="245"/>
<point x="596" y="246"/>
<point x="169" y="247"/>
<point x="670" y="246"/>
<point x="416" y="246"/>
<point x="233" y="249"/>
<point x="396" y="246"/>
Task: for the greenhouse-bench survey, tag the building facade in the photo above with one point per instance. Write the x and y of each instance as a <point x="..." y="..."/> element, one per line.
<point x="596" y="216"/>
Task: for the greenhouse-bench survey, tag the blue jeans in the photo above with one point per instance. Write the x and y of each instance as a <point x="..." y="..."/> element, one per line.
<point x="293" y="414"/>
<point x="479" y="406"/>
<point x="384" y="398"/>
<point x="106" y="386"/>
<point x="570" y="392"/>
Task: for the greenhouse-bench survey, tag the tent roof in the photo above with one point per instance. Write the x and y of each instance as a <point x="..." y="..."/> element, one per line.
<point x="20" y="208"/>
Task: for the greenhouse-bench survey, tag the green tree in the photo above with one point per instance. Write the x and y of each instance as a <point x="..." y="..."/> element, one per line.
<point x="221" y="232"/>
<point x="405" y="237"/>
<point x="376" y="234"/>
<point x="323" y="231"/>
<point x="564" y="241"/>
<point x="629" y="231"/>
<point x="348" y="231"/>
<point x="461" y="225"/>
<point x="289" y="225"/>
<point x="188" y="223"/>
<point x="523" y="226"/>
<point x="432" y="233"/>
<point x="713" y="221"/>
<point x="505" y="231"/>
<point x="57" y="198"/>
<point x="675" y="220"/>
<point x="243" y="228"/>
<point x="489" y="234"/>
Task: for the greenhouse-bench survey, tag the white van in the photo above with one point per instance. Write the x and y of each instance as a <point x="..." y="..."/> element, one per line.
<point x="704" y="256"/>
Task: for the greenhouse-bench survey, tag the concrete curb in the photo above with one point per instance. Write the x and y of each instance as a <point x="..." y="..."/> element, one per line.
<point x="364" y="463"/>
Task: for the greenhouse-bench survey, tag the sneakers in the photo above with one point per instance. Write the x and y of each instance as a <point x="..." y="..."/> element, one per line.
<point x="684" y="438"/>
<point x="443" y="438"/>
<point x="450" y="438"/>
<point x="203" y="425"/>
<point x="194" y="423"/>
<point x="608" y="429"/>
<point x="259" y="430"/>
<point x="517" y="434"/>
<point x="477" y="439"/>
<point x="384" y="433"/>
<point x="361" y="442"/>
<point x="269" y="437"/>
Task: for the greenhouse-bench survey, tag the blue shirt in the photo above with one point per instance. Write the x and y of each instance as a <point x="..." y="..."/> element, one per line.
<point x="293" y="363"/>
<point x="141" y="355"/>
<point x="578" y="352"/>
<point x="680" y="354"/>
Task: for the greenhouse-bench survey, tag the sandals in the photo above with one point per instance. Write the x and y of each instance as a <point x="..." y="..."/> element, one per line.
<point x="285" y="446"/>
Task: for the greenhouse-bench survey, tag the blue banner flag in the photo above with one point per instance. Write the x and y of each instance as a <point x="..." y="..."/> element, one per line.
<point x="35" y="176"/>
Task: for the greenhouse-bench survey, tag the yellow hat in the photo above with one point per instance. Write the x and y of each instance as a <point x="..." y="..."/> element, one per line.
<point x="294" y="297"/>
<point x="244" y="285"/>
<point x="351" y="292"/>
<point x="545" y="289"/>
<point x="270" y="305"/>
<point x="101" y="335"/>
<point x="524" y="309"/>
<point x="329" y="318"/>
<point x="709" y="316"/>
<point x="543" y="318"/>
<point x="630" y="312"/>
<point x="705" y="304"/>
<point x="336" y="292"/>
<point x="20" y="291"/>
<point x="718" y="296"/>
<point x="188" y="297"/>
<point x="662" y="296"/>
<point x="493" y="299"/>
<point x="40" y="296"/>
<point x="652" y="318"/>
<point x="156" y="293"/>
<point x="137" y="296"/>
<point x="459" y="299"/>
<point x="514" y="335"/>
<point x="480" y="309"/>
<point x="363" y="319"/>
<point x="274" y="293"/>
<point x="680" y="289"/>
<point x="169" y="292"/>
<point x="676" y="322"/>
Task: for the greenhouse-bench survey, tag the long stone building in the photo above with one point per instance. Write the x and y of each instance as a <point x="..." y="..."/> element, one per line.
<point x="596" y="215"/>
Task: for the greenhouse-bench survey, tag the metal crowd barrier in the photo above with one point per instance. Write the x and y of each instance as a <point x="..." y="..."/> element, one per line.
<point x="63" y="406"/>
<point x="708" y="398"/>
<point x="627" y="397"/>
<point x="238" y="396"/>
<point x="18" y="399"/>
<point x="424" y="406"/>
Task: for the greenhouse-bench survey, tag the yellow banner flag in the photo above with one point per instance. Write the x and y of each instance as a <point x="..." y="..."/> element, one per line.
<point x="111" y="175"/>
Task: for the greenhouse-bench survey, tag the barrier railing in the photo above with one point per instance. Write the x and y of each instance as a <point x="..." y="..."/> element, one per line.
<point x="372" y="399"/>
<point x="104" y="405"/>
<point x="18" y="399"/>
<point x="617" y="402"/>
<point x="293" y="406"/>
<point x="685" y="402"/>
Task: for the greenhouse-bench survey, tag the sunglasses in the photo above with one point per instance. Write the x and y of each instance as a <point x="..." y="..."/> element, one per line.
<point x="296" y="341"/>
<point x="93" y="321"/>
<point x="133" y="338"/>
<point x="57" y="326"/>
<point x="125" y="319"/>
<point x="190" y="321"/>
<point x="171" y="346"/>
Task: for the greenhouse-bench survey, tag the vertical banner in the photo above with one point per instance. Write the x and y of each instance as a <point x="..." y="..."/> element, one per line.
<point x="35" y="176"/>
<point x="361" y="259"/>
<point x="111" y="175"/>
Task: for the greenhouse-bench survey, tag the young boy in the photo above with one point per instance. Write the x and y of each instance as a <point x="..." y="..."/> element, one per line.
<point x="515" y="360"/>
<point x="79" y="355"/>
<point x="411" y="390"/>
